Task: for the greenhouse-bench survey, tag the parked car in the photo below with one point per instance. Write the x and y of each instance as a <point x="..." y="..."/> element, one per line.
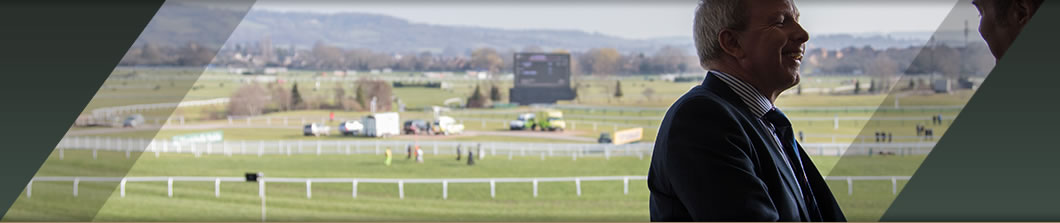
<point x="350" y="128"/>
<point x="605" y="138"/>
<point x="416" y="127"/>
<point x="133" y="120"/>
<point x="522" y="121"/>
<point x="315" y="129"/>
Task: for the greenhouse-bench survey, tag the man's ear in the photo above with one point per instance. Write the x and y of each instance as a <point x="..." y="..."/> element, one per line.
<point x="1023" y="11"/>
<point x="730" y="43"/>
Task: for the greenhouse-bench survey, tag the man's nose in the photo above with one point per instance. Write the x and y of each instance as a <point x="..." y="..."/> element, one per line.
<point x="799" y="35"/>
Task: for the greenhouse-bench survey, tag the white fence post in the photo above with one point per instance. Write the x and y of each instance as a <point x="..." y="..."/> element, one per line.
<point x="122" y="186"/>
<point x="493" y="188"/>
<point x="29" y="188"/>
<point x="625" y="185"/>
<point x="308" y="189"/>
<point x="401" y="189"/>
<point x="77" y="180"/>
<point x="445" y="190"/>
<point x="355" y="188"/>
<point x="535" y="187"/>
<point x="169" y="187"/>
<point x="578" y="185"/>
<point x="217" y="187"/>
<point x="261" y="189"/>
<point x="128" y="147"/>
<point x="850" y="186"/>
<point x="894" y="185"/>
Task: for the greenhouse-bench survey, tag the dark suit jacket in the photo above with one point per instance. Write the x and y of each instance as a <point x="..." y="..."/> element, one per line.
<point x="714" y="161"/>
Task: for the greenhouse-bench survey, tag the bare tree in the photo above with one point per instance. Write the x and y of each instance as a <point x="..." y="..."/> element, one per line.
<point x="247" y="101"/>
<point x="279" y="98"/>
<point x="340" y="95"/>
<point x="328" y="57"/>
<point x="601" y="61"/>
<point x="372" y="88"/>
<point x="671" y="59"/>
<point x="486" y="59"/>
<point x="648" y="93"/>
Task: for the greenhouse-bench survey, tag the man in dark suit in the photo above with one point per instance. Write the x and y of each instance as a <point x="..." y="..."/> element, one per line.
<point x="724" y="152"/>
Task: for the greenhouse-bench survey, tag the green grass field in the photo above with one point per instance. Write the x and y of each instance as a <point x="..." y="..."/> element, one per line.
<point x="557" y="201"/>
<point x="601" y="201"/>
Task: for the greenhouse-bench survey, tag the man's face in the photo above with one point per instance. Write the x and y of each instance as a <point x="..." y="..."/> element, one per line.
<point x="773" y="43"/>
<point x="997" y="34"/>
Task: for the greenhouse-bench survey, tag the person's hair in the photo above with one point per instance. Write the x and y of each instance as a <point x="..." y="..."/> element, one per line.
<point x="713" y="16"/>
<point x="1002" y="8"/>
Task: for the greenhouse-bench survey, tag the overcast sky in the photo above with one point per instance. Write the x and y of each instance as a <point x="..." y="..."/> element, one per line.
<point x="632" y="19"/>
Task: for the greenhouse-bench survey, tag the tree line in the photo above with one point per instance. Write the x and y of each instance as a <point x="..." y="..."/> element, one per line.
<point x="257" y="99"/>
<point x="955" y="61"/>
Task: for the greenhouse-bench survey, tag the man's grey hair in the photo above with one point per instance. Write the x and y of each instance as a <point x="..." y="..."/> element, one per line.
<point x="713" y="16"/>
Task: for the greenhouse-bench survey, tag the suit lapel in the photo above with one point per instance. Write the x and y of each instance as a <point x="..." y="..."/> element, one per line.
<point x="718" y="87"/>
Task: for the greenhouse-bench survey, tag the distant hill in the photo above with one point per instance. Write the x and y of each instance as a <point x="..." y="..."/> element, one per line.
<point x="383" y="33"/>
<point x="390" y="34"/>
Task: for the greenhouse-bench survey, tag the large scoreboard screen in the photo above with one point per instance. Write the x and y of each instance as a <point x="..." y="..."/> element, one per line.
<point x="542" y="70"/>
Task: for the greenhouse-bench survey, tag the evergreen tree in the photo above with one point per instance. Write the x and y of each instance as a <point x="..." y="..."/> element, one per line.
<point x="857" y="87"/>
<point x="872" y="86"/>
<point x="618" y="89"/>
<point x="477" y="100"/>
<point x="360" y="97"/>
<point x="495" y="93"/>
<point x="296" y="98"/>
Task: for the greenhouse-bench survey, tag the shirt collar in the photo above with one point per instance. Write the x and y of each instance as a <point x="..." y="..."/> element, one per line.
<point x="755" y="101"/>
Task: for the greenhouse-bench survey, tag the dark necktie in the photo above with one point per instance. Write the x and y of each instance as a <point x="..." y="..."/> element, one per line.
<point x="782" y="127"/>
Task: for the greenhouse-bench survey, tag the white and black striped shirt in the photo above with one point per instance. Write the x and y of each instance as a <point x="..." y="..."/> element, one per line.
<point x="757" y="104"/>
